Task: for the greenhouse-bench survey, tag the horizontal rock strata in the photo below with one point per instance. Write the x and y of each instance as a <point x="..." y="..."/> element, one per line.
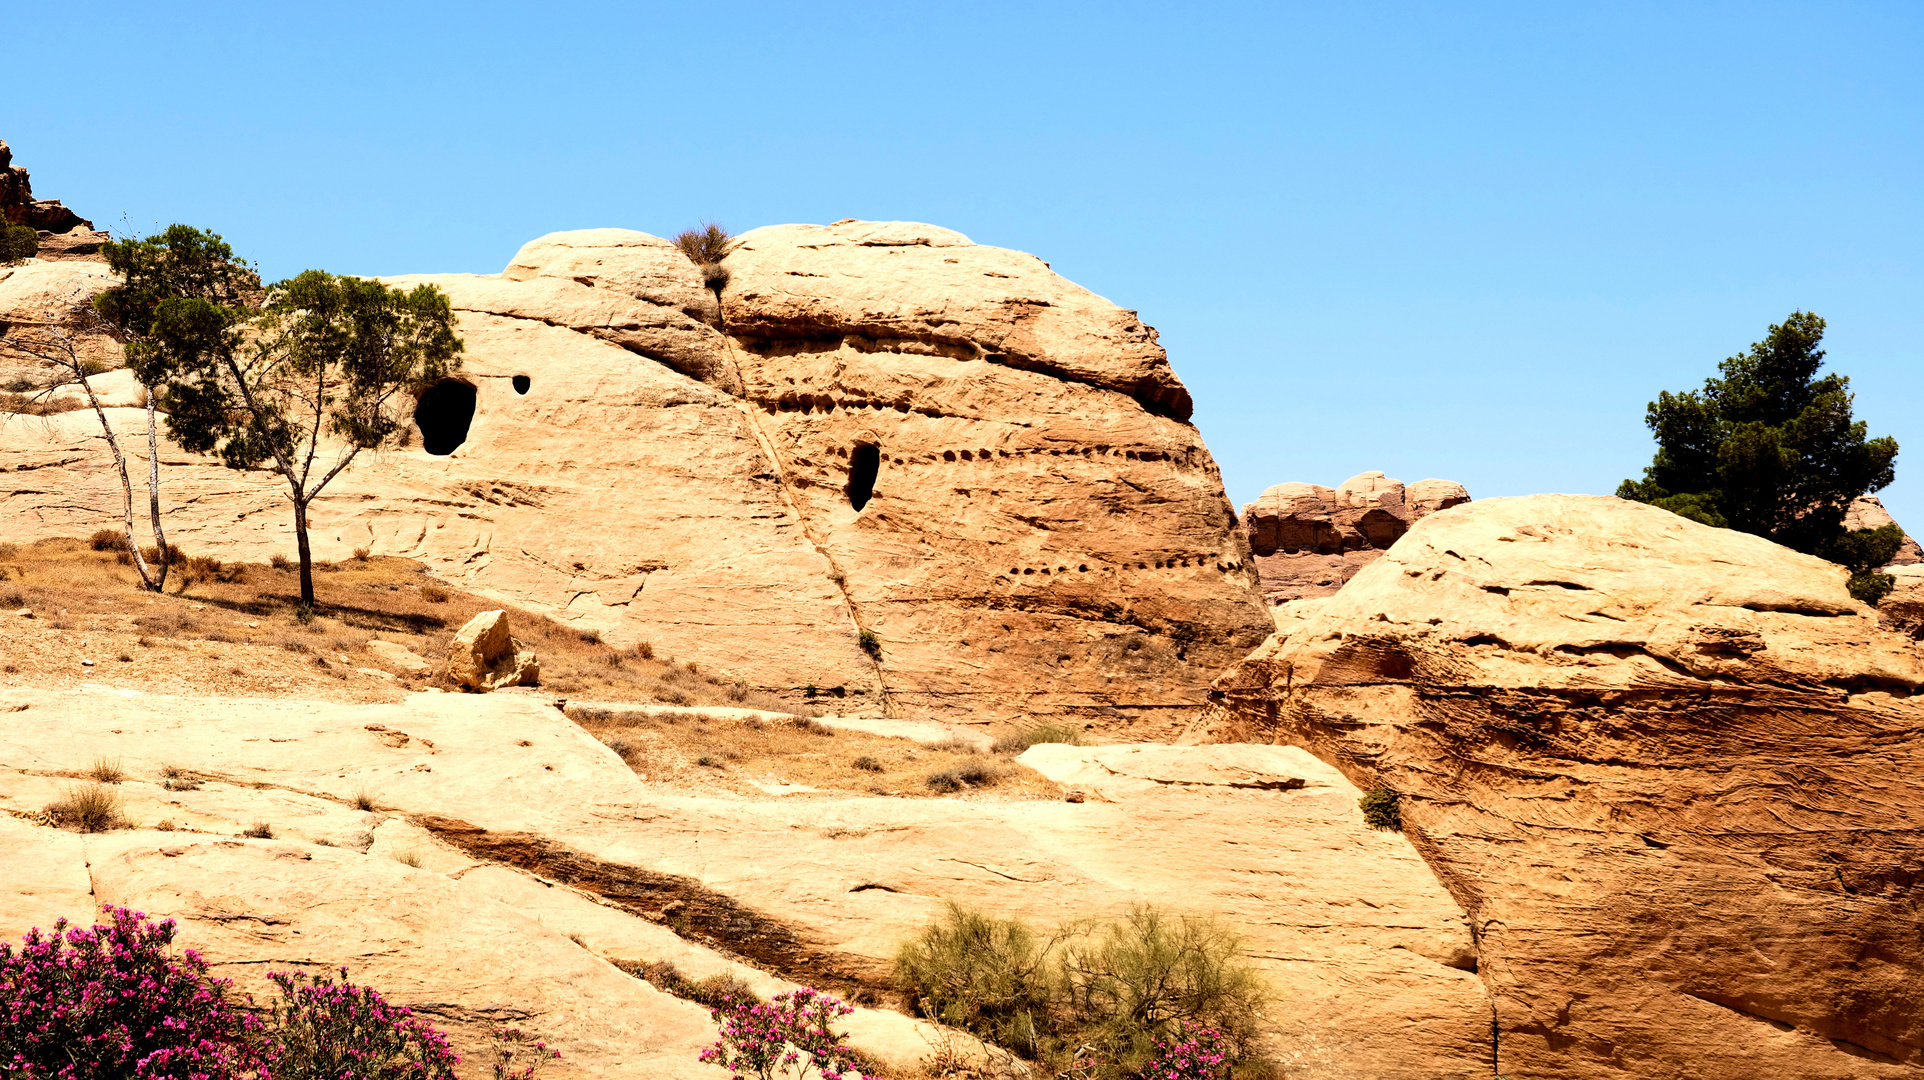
<point x="1674" y="774"/>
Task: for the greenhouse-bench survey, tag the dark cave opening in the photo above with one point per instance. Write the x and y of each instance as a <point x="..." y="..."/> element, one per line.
<point x="863" y="465"/>
<point x="443" y="414"/>
<point x="522" y="383"/>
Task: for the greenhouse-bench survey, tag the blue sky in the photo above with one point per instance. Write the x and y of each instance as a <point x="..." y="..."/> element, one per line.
<point x="1458" y="240"/>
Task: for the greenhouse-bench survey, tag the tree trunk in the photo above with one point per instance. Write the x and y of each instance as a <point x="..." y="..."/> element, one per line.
<point x="153" y="489"/>
<point x="307" y="556"/>
<point x="126" y="486"/>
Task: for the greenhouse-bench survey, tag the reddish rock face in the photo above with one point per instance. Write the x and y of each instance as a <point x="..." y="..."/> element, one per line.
<point x="1308" y="540"/>
<point x="19" y="207"/>
<point x="1673" y="774"/>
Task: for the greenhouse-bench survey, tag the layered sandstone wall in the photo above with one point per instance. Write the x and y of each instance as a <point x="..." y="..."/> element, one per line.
<point x="876" y="427"/>
<point x="1672" y="774"/>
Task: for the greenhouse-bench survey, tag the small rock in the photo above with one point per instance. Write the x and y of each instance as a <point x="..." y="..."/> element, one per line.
<point x="484" y="657"/>
<point x="1072" y="796"/>
<point x="25" y="613"/>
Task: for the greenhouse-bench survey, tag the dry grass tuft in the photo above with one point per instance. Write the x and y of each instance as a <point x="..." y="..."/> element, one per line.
<point x="106" y="770"/>
<point x="90" y="808"/>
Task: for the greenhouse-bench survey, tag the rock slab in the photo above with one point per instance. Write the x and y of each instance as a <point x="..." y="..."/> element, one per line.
<point x="1674" y="775"/>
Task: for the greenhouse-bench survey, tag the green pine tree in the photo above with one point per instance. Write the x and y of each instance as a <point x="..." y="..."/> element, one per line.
<point x="1771" y="448"/>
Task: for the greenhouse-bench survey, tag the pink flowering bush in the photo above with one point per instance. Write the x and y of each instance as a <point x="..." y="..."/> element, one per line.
<point x="786" y="1037"/>
<point x="1194" y="1052"/>
<point x="109" y="1002"/>
<point x="510" y="1043"/>
<point x="327" y="1030"/>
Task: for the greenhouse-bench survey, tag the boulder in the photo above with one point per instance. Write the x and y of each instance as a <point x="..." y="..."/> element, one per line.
<point x="1673" y="774"/>
<point x="482" y="657"/>
<point x="1308" y="539"/>
<point x="874" y="426"/>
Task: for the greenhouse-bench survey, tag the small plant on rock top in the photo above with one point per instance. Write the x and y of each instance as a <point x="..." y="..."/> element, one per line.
<point x="788" y="1036"/>
<point x="112" y="1001"/>
<point x="325" y="1030"/>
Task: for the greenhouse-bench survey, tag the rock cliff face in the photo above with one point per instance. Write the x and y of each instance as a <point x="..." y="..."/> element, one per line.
<point x="1673" y="774"/>
<point x="876" y="427"/>
<point x="1308" y="539"/>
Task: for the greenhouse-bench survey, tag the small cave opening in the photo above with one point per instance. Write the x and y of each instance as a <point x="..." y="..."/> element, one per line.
<point x="443" y="414"/>
<point x="863" y="465"/>
<point x="522" y="383"/>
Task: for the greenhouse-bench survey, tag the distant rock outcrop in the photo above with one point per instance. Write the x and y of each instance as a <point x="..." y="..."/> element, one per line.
<point x="1308" y="539"/>
<point x="63" y="232"/>
<point x="1674" y="775"/>
<point x="920" y="475"/>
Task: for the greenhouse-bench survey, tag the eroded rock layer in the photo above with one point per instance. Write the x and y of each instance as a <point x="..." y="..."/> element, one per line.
<point x="922" y="474"/>
<point x="1674" y="775"/>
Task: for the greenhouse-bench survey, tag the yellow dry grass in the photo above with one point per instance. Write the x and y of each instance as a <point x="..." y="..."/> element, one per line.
<point x="241" y="637"/>
<point x="689" y="753"/>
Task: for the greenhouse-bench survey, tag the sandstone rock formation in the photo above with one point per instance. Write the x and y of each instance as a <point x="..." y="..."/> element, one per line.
<point x="511" y="860"/>
<point x="1308" y="539"/>
<point x="63" y="233"/>
<point x="875" y="427"/>
<point x="1673" y="774"/>
<point x="482" y="656"/>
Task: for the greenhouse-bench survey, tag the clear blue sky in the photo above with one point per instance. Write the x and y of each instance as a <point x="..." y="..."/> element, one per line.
<point x="1458" y="240"/>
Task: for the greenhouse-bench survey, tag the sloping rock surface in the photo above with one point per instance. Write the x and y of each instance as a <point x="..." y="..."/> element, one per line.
<point x="1674" y="774"/>
<point x="500" y="828"/>
<point x="873" y="426"/>
<point x="1308" y="539"/>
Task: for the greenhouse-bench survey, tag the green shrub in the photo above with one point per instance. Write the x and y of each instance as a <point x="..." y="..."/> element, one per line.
<point x="871" y="644"/>
<point x="18" y="243"/>
<point x="1380" y="809"/>
<point x="1131" y="982"/>
<point x="1016" y="742"/>
<point x="982" y="974"/>
<point x="1098" y="997"/>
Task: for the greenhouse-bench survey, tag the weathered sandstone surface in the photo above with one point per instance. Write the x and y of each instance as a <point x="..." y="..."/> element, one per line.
<point x="511" y="859"/>
<point x="1674" y="775"/>
<point x="1308" y="539"/>
<point x="875" y="427"/>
